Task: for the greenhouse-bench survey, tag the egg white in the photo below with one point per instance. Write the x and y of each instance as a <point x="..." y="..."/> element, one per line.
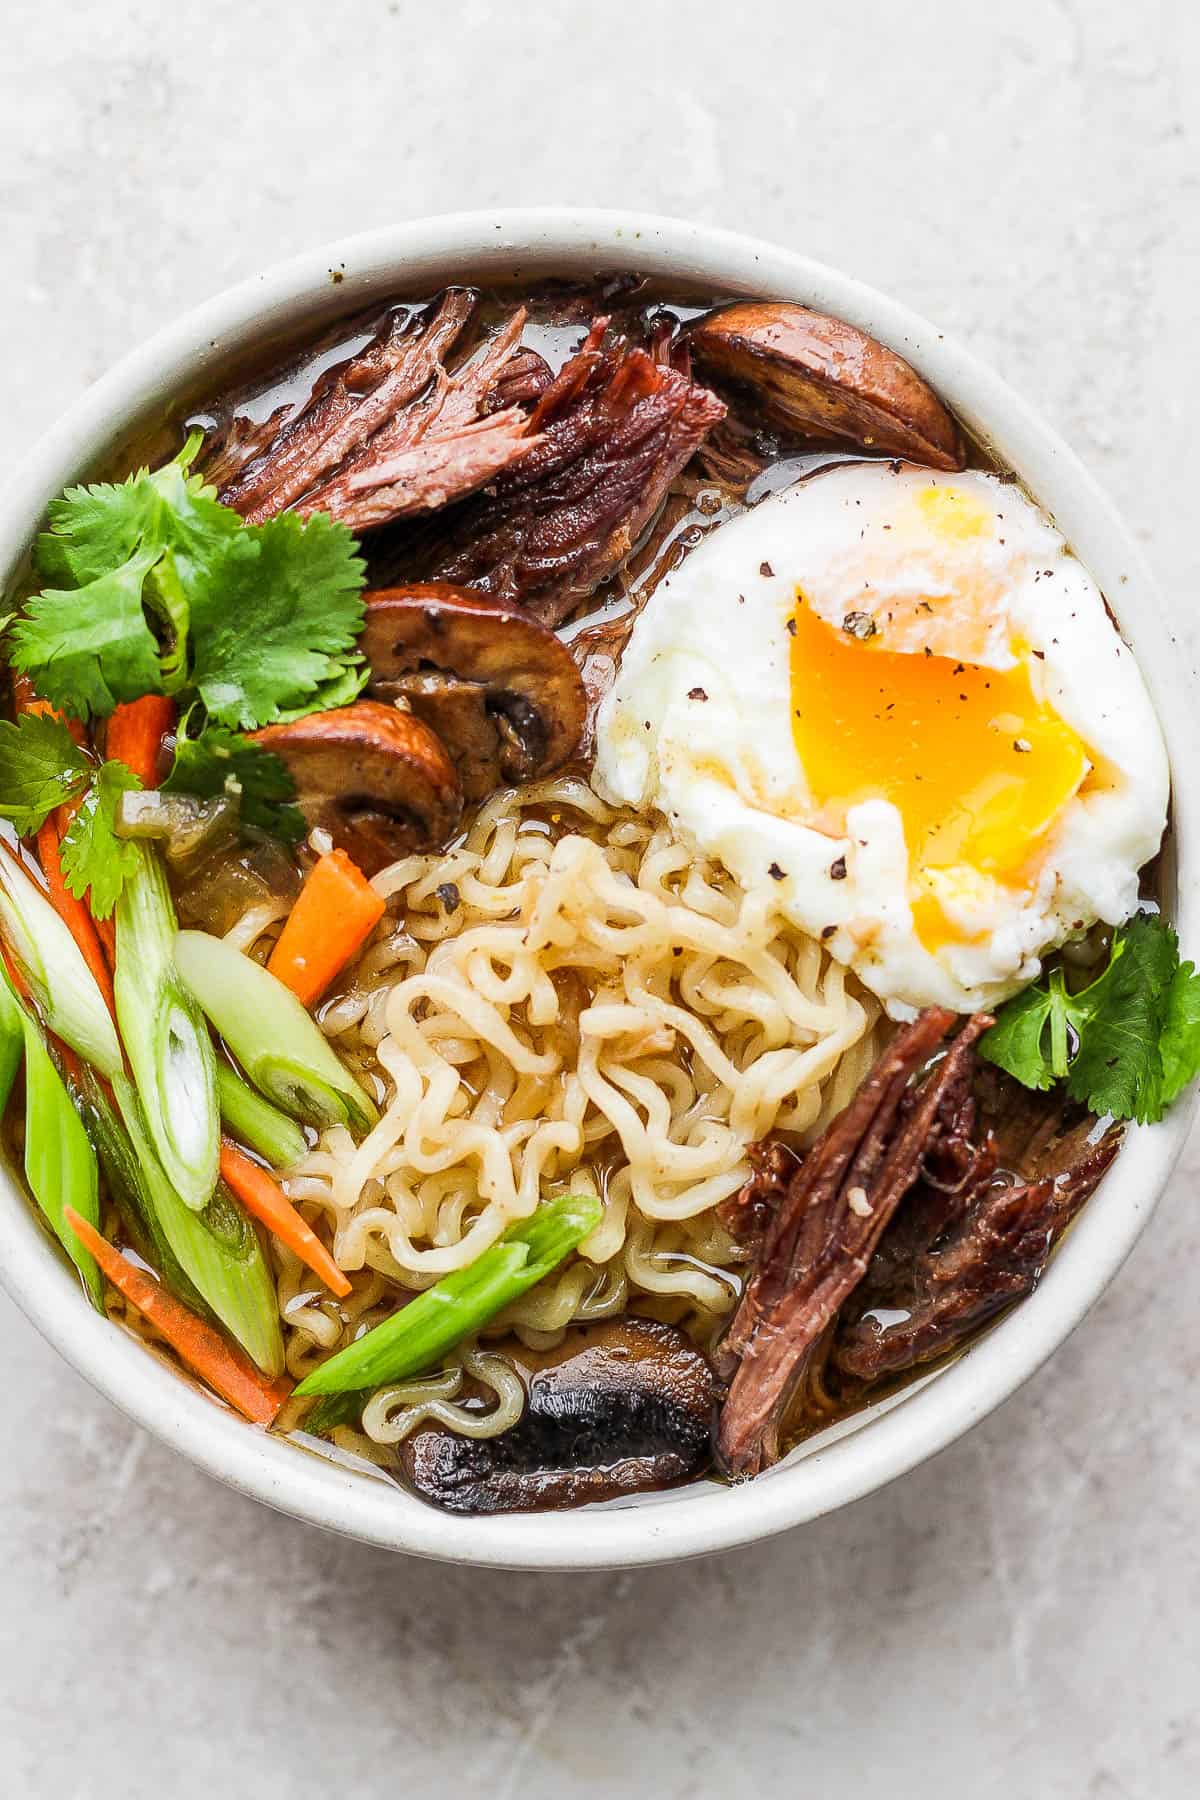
<point x="699" y="727"/>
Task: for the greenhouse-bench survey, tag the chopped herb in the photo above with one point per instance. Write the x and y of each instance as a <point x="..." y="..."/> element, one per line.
<point x="280" y="626"/>
<point x="159" y="589"/>
<point x="93" y="856"/>
<point x="41" y="767"/>
<point x="1126" y="1045"/>
<point x="220" y="762"/>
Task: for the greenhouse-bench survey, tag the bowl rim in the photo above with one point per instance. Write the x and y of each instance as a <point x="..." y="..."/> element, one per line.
<point x="706" y="1517"/>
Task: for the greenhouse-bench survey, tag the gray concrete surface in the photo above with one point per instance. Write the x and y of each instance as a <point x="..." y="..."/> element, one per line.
<point x="1020" y="1617"/>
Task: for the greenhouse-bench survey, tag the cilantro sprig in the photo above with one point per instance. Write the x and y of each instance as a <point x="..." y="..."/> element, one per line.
<point x="220" y="761"/>
<point x="159" y="589"/>
<point x="41" y="767"/>
<point x="154" y="587"/>
<point x="1125" y="1045"/>
<point x="95" y="861"/>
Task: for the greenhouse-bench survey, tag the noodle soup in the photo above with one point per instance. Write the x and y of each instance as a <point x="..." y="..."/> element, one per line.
<point x="489" y="990"/>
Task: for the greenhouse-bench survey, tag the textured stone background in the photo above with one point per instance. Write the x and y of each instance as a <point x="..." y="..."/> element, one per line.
<point x="1018" y="1618"/>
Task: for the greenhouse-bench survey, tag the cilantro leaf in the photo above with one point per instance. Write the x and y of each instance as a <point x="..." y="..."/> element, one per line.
<point x="339" y="690"/>
<point x="138" y="551"/>
<point x="219" y="761"/>
<point x="159" y="589"/>
<point x="1127" y="1044"/>
<point x="95" y="529"/>
<point x="281" y="624"/>
<point x="1180" y="1044"/>
<point x="1016" y="1039"/>
<point x="1118" y="1065"/>
<point x="41" y="766"/>
<point x="87" y="648"/>
<point x="93" y="856"/>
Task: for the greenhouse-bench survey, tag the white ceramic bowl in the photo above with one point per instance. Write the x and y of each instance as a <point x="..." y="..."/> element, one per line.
<point x="887" y="1440"/>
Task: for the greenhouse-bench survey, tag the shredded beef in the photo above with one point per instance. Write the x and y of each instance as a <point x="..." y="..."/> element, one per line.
<point x="344" y="412"/>
<point x="614" y="427"/>
<point x="434" y="450"/>
<point x="747" y="1214"/>
<point x="949" y="1269"/>
<point x="821" y="1240"/>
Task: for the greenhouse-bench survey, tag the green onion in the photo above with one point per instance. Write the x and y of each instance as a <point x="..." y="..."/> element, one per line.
<point x="274" y="1039"/>
<point x="52" y="964"/>
<point x="60" y="1164"/>
<point x="254" y="1122"/>
<point x="217" y="1248"/>
<point x="170" y="1051"/>
<point x="12" y="1040"/>
<point x="130" y="1188"/>
<point x="415" y="1337"/>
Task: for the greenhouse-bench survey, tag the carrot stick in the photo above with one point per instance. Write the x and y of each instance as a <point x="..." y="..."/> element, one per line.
<point x="228" y="1371"/>
<point x="73" y="913"/>
<point x="106" y="931"/>
<point x="135" y="734"/>
<point x="262" y="1196"/>
<point x="336" y="913"/>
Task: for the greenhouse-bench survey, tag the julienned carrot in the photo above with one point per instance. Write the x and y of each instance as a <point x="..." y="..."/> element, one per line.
<point x="263" y="1197"/>
<point x="227" y="1370"/>
<point x="73" y="913"/>
<point x="135" y="734"/>
<point x="336" y="913"/>
<point x="106" y="931"/>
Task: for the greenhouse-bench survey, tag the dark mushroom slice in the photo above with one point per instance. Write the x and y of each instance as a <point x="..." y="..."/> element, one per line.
<point x="501" y="691"/>
<point x="618" y="1408"/>
<point x="816" y="376"/>
<point x="377" y="780"/>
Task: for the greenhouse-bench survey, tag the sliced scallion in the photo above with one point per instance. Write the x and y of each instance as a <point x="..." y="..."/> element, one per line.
<point x="277" y="1043"/>
<point x="170" y="1051"/>
<point x="130" y="1180"/>
<point x="60" y="1164"/>
<point x="54" y="968"/>
<point x="415" y="1337"/>
<point x="254" y="1122"/>
<point x="12" y="1040"/>
<point x="217" y="1248"/>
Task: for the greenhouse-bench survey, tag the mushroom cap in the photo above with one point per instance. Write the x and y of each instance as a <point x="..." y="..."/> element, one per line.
<point x="377" y="780"/>
<point x="619" y="1407"/>
<point x="823" y="377"/>
<point x="499" y="688"/>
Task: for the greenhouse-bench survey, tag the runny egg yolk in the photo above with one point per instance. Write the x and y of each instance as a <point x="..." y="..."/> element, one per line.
<point x="977" y="767"/>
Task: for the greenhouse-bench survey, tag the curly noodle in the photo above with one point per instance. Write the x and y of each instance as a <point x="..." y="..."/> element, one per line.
<point x="575" y="1002"/>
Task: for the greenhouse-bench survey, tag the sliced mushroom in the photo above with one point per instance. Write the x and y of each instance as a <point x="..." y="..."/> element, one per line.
<point x="502" y="693"/>
<point x="620" y="1407"/>
<point x="822" y="377"/>
<point x="377" y="780"/>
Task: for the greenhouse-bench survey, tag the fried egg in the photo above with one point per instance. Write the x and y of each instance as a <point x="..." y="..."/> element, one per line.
<point x="895" y="702"/>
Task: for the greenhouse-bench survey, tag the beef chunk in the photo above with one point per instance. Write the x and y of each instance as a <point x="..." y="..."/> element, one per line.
<point x="613" y="429"/>
<point x="950" y="1269"/>
<point x="346" y="410"/>
<point x="821" y="1240"/>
